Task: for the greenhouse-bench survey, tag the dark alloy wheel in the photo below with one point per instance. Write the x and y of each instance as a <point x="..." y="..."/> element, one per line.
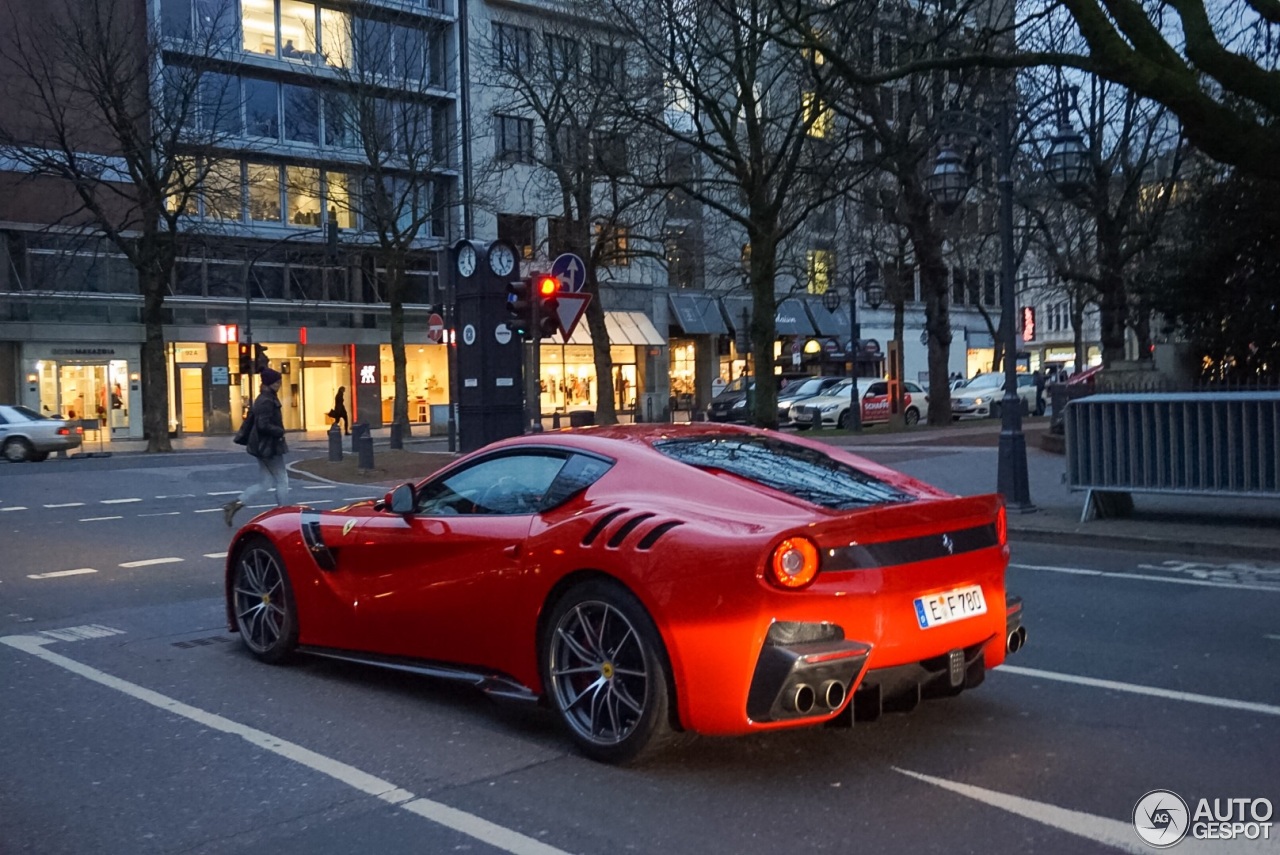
<point x="19" y="450"/>
<point x="913" y="416"/>
<point x="264" y="606"/>
<point x="606" y="675"/>
<point x="842" y="421"/>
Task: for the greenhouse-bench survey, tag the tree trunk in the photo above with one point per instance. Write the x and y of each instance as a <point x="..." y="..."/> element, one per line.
<point x="927" y="245"/>
<point x="1113" y="302"/>
<point x="395" y="298"/>
<point x="155" y="367"/>
<point x="601" y="357"/>
<point x="764" y="261"/>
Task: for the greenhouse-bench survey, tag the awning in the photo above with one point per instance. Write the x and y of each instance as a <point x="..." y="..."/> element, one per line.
<point x="791" y="318"/>
<point x="624" y="328"/>
<point x="733" y="309"/>
<point x="697" y="314"/>
<point x="828" y="323"/>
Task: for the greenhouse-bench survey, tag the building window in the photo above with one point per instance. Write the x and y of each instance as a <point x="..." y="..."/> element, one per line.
<point x="957" y="286"/>
<point x="820" y="263"/>
<point x="989" y="288"/>
<point x="519" y="231"/>
<point x="264" y="193"/>
<point x="557" y="236"/>
<point x="817" y="115"/>
<point x="562" y="57"/>
<point x="612" y="240"/>
<point x="335" y="38"/>
<point x="514" y="139"/>
<point x="610" y="152"/>
<point x="262" y="108"/>
<point x="513" y="47"/>
<point x="608" y="64"/>
<point x="338" y="200"/>
<point x="258" y="22"/>
<point x="220" y="104"/>
<point x="223" y="189"/>
<point x="338" y="111"/>
<point x="302" y="192"/>
<point x="566" y="146"/>
<point x="301" y="114"/>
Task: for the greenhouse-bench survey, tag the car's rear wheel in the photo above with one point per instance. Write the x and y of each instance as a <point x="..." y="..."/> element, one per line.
<point x="18" y="450"/>
<point x="913" y="416"/>
<point x="605" y="672"/>
<point x="263" y="600"/>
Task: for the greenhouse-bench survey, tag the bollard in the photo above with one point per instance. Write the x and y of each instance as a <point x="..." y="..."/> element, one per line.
<point x="397" y="435"/>
<point x="555" y="420"/>
<point x="358" y="429"/>
<point x="364" y="452"/>
<point x="335" y="444"/>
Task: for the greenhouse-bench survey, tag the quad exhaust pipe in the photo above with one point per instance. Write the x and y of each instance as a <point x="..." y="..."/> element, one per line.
<point x="832" y="694"/>
<point x="1016" y="640"/>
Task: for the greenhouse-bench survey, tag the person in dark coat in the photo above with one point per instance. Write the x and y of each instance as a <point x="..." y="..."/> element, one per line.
<point x="265" y="442"/>
<point x="339" y="411"/>
<point x="1039" y="380"/>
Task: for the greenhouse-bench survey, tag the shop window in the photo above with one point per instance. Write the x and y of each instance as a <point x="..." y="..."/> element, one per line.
<point x="262" y="108"/>
<point x="302" y="190"/>
<point x="264" y="193"/>
<point x="301" y="115"/>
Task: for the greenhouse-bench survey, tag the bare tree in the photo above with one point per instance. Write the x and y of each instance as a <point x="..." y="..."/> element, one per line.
<point x="583" y="158"/>
<point x="759" y="118"/>
<point x="128" y="129"/>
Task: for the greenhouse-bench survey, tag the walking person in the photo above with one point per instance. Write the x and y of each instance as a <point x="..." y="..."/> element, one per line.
<point x="265" y="441"/>
<point x="339" y="411"/>
<point x="1039" y="379"/>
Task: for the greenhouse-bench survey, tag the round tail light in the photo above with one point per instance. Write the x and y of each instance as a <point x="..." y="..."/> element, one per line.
<point x="794" y="563"/>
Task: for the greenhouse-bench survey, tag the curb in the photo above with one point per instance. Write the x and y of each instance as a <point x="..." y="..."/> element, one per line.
<point x="1139" y="543"/>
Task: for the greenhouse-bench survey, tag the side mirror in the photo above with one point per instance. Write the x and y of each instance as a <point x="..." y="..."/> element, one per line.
<point x="401" y="500"/>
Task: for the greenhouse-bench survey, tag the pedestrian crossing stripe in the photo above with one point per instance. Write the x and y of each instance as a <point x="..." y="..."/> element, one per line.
<point x="80" y="633"/>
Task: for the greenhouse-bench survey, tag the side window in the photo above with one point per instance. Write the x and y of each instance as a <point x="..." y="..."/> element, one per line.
<point x="580" y="472"/>
<point x="913" y="388"/>
<point x="507" y="484"/>
<point x="877" y="389"/>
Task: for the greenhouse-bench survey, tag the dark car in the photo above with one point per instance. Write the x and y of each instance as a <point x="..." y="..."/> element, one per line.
<point x="733" y="404"/>
<point x="799" y="390"/>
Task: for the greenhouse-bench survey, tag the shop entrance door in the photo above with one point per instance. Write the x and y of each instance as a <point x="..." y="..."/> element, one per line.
<point x="192" y="382"/>
<point x="85" y="395"/>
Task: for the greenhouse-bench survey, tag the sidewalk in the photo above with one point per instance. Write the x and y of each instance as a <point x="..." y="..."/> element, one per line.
<point x="962" y="459"/>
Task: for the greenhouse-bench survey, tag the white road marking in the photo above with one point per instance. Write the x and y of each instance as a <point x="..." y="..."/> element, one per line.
<point x="67" y="505"/>
<point x="1272" y="637"/>
<point x="80" y="633"/>
<point x="321" y="502"/>
<point x="149" y="562"/>
<point x="60" y="573"/>
<point x="1100" y="829"/>
<point x="360" y="499"/>
<point x="473" y="826"/>
<point x="255" y="507"/>
<point x="225" y="493"/>
<point x="100" y="519"/>
<point x="14" y="508"/>
<point x="119" y="501"/>
<point x="215" y="555"/>
<point x="1143" y="577"/>
<point x="178" y="496"/>
<point x="1134" y="688"/>
<point x="208" y="510"/>
<point x="165" y="514"/>
<point x="321" y="487"/>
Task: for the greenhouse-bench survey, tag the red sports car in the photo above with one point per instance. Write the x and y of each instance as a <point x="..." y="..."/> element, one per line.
<point x="646" y="580"/>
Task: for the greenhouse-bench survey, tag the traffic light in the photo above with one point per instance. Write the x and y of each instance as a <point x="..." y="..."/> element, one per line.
<point x="520" y="307"/>
<point x="259" y="358"/>
<point x="547" y="287"/>
<point x="246" y="362"/>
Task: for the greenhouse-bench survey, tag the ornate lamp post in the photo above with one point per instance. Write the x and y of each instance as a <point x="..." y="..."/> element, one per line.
<point x="1066" y="165"/>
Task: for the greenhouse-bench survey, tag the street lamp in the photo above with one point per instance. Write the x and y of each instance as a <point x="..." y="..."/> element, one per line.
<point x="869" y="281"/>
<point x="1066" y="165"/>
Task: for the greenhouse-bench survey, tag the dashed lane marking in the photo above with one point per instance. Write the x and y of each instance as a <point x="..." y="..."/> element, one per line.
<point x="321" y="487"/>
<point x="151" y="562"/>
<point x="58" y="574"/>
<point x="225" y="493"/>
<point x="1135" y="689"/>
<point x="359" y="499"/>
<point x="165" y="514"/>
<point x="67" y="505"/>
<point x="119" y="501"/>
<point x="1145" y="577"/>
<point x="80" y="633"/>
<point x="1272" y="637"/>
<point x="449" y="817"/>
<point x="100" y="519"/>
<point x="14" y="508"/>
<point x="178" y="496"/>
<point x="207" y="511"/>
<point x="215" y="555"/>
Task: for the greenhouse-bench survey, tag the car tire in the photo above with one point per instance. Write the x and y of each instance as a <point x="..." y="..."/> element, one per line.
<point x="18" y="450"/>
<point x="606" y="674"/>
<point x="913" y="416"/>
<point x="842" y="421"/>
<point x="262" y="599"/>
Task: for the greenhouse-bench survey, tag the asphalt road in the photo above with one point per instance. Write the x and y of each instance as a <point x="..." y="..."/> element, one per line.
<point x="155" y="732"/>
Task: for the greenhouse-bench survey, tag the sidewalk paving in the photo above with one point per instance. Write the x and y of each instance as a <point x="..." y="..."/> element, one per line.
<point x="961" y="459"/>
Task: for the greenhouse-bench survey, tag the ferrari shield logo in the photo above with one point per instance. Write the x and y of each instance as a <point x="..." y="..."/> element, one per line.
<point x="346" y="528"/>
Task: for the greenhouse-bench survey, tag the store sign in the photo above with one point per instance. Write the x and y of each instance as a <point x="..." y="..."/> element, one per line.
<point x="191" y="353"/>
<point x="83" y="351"/>
<point x="1028" y="323"/>
<point x="368" y="375"/>
<point x="219" y="375"/>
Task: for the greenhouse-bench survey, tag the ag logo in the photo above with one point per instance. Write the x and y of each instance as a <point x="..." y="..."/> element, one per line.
<point x="1160" y="818"/>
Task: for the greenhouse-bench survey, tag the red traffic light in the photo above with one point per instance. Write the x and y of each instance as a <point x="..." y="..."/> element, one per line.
<point x="547" y="286"/>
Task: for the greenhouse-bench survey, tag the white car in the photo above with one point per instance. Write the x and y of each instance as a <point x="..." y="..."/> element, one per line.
<point x="831" y="409"/>
<point x="27" y="435"/>
<point x="980" y="398"/>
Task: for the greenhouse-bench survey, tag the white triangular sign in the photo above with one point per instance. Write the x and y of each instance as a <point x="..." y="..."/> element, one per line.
<point x="569" y="310"/>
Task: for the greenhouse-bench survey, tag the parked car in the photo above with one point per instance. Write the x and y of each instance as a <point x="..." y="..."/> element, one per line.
<point x="731" y="405"/>
<point x="980" y="398"/>
<point x="641" y="581"/>
<point x="831" y="409"/>
<point x="25" y="435"/>
<point x="801" y="390"/>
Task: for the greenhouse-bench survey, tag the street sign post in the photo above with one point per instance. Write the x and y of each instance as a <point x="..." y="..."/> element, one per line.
<point x="569" y="310"/>
<point x="571" y="272"/>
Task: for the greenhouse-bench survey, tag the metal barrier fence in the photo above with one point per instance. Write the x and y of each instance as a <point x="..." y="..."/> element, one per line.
<point x="1218" y="444"/>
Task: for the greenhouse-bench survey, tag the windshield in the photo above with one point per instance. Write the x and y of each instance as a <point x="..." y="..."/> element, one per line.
<point x="985" y="381"/>
<point x="805" y="388"/>
<point x="798" y="471"/>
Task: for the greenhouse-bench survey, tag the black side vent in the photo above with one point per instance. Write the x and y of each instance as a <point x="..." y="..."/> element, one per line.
<point x="600" y="524"/>
<point x="656" y="532"/>
<point x="626" y="529"/>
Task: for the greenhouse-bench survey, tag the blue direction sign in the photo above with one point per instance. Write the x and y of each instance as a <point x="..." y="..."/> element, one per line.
<point x="570" y="270"/>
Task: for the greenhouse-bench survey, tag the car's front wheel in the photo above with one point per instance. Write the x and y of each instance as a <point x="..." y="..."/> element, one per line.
<point x="913" y="416"/>
<point x="842" y="421"/>
<point x="18" y="450"/>
<point x="606" y="675"/>
<point x="263" y="600"/>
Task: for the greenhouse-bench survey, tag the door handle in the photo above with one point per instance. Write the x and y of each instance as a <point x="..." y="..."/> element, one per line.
<point x="512" y="551"/>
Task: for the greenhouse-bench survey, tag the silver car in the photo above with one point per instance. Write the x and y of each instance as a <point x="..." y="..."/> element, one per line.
<point x="27" y="435"/>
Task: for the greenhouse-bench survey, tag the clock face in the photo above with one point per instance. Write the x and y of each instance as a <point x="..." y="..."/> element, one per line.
<point x="466" y="260"/>
<point x="502" y="259"/>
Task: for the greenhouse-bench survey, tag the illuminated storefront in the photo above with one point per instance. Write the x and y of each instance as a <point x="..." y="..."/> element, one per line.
<point x="426" y="373"/>
<point x="93" y="382"/>
<point x="567" y="372"/>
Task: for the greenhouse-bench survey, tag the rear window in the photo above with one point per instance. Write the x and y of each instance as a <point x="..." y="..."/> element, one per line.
<point x="30" y="414"/>
<point x="804" y="473"/>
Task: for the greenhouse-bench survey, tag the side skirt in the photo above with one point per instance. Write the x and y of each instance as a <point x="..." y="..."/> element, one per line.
<point x="496" y="686"/>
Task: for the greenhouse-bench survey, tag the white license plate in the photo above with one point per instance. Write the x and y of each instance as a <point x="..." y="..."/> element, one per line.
<point x="944" y="607"/>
